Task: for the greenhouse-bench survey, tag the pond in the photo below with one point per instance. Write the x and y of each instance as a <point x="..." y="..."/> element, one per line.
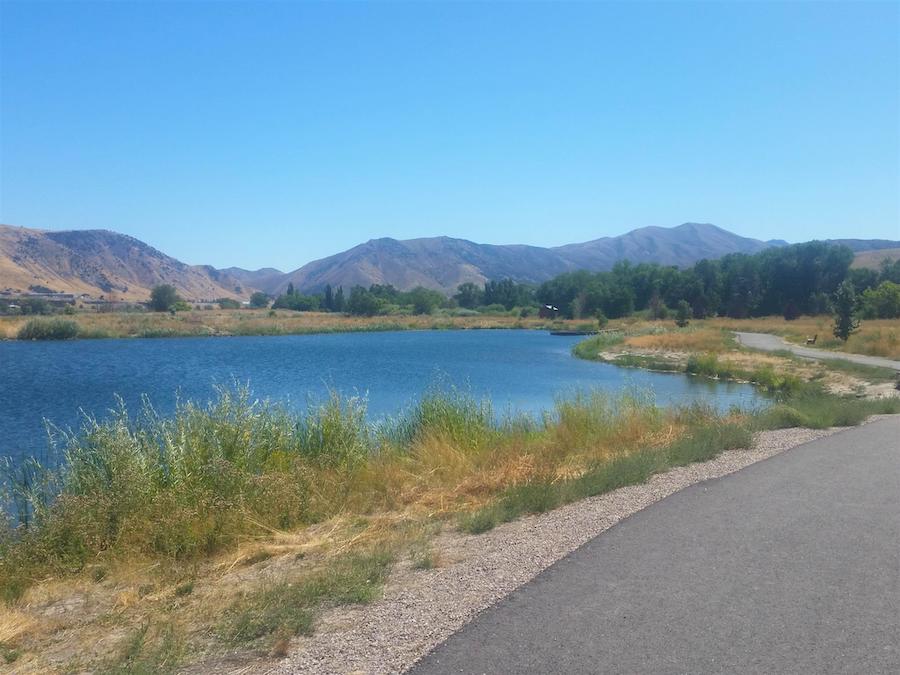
<point x="520" y="371"/>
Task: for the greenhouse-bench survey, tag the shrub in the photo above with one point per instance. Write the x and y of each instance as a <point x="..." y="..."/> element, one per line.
<point x="49" y="329"/>
<point x="287" y="608"/>
<point x="707" y="365"/>
<point x="259" y="300"/>
<point x="163" y="298"/>
<point x="682" y="314"/>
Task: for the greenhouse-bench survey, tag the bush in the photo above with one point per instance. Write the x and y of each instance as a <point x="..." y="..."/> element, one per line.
<point x="163" y="298"/>
<point x="259" y="300"/>
<point x="682" y="314"/>
<point x="707" y="365"/>
<point x="49" y="329"/>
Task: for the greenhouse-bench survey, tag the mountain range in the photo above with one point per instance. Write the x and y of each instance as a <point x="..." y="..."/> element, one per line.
<point x="100" y="262"/>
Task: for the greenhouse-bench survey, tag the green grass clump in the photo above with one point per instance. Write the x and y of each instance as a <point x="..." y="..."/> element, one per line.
<point x="773" y="381"/>
<point x="289" y="608"/>
<point x="647" y="363"/>
<point x="816" y="409"/>
<point x="49" y="329"/>
<point x="146" y="653"/>
<point x="588" y="349"/>
<point x="865" y="372"/>
<point x="708" y="365"/>
<point x="454" y="415"/>
<point x="707" y="442"/>
<point x="704" y="443"/>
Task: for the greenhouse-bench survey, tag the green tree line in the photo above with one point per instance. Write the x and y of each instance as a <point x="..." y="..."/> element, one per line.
<point x="788" y="280"/>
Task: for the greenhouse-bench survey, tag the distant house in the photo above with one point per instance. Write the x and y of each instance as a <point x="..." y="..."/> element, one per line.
<point x="548" y="312"/>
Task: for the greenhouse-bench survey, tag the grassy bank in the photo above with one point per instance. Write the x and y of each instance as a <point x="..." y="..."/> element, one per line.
<point x="708" y="349"/>
<point x="875" y="337"/>
<point x="230" y="526"/>
<point x="224" y="322"/>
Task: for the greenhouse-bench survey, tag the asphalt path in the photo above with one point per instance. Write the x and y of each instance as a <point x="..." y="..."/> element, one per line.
<point x="771" y="343"/>
<point x="791" y="565"/>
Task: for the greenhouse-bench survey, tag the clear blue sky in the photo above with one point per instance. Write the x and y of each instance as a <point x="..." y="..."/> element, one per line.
<point x="259" y="134"/>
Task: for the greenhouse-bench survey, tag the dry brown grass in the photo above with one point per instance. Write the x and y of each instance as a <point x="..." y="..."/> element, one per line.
<point x="14" y="624"/>
<point x="259" y="322"/>
<point x="877" y="337"/>
<point x="705" y="339"/>
<point x="395" y="499"/>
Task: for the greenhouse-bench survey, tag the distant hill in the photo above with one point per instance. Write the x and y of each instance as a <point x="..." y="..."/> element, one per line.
<point x="873" y="259"/>
<point x="856" y="245"/>
<point x="261" y="278"/>
<point x="442" y="263"/>
<point x="100" y="262"/>
<point x="681" y="246"/>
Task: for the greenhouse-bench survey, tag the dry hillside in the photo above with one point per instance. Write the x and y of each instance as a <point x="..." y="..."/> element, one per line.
<point x="102" y="263"/>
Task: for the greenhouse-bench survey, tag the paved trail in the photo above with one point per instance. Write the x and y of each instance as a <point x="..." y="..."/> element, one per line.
<point x="791" y="565"/>
<point x="771" y="343"/>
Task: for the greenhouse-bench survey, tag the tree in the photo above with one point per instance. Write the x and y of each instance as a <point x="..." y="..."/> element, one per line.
<point x="363" y="302"/>
<point x="682" y="314"/>
<point x="290" y="288"/>
<point x="657" y="309"/>
<point x="259" y="300"/>
<point x="882" y="302"/>
<point x="163" y="298"/>
<point x="228" y="303"/>
<point x="845" y="321"/>
<point x="328" y="300"/>
<point x="469" y="295"/>
<point x="339" y="303"/>
<point x="791" y="311"/>
<point x="424" y="300"/>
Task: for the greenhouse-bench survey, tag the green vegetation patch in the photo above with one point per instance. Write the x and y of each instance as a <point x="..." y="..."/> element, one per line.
<point x="815" y="409"/>
<point x="702" y="444"/>
<point x="285" y="608"/>
<point x="49" y="329"/>
<point x="147" y="652"/>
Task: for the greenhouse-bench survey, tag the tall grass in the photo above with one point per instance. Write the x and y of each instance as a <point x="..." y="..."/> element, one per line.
<point x="617" y="470"/>
<point x="287" y="608"/>
<point x="48" y="329"/>
<point x="204" y="479"/>
<point x="197" y="482"/>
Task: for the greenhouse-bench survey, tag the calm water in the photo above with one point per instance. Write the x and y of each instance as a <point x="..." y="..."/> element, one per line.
<point x="518" y="370"/>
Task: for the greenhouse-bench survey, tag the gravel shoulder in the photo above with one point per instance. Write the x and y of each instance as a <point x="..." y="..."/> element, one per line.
<point x="422" y="608"/>
<point x="771" y="343"/>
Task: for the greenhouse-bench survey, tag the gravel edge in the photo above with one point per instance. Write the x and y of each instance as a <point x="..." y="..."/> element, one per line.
<point x="422" y="608"/>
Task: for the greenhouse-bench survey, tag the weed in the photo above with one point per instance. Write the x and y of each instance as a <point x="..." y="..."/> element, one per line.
<point x="49" y="329"/>
<point x="288" y="608"/>
<point x="181" y="590"/>
<point x="426" y="559"/>
<point x="146" y="652"/>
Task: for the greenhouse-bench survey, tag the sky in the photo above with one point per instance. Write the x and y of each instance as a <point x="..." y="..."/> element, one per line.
<point x="274" y="133"/>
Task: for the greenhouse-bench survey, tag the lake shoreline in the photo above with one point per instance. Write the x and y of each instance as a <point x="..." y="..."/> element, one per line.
<point x="248" y="322"/>
<point x="715" y="354"/>
<point x="228" y="529"/>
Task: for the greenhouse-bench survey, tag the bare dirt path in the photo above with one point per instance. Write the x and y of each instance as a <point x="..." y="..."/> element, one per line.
<point x="772" y="343"/>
